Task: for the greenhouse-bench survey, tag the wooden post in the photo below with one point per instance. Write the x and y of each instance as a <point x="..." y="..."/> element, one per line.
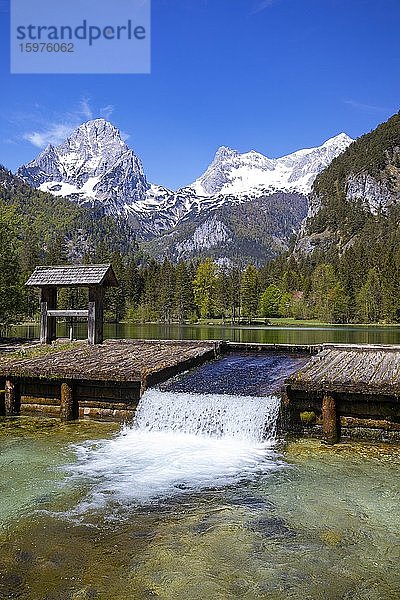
<point x="330" y="420"/>
<point x="12" y="399"/>
<point x="48" y="301"/>
<point x="95" y="316"/>
<point x="68" y="405"/>
<point x="2" y="403"/>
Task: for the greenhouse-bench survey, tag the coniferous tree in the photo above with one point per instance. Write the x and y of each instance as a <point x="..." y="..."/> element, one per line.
<point x="10" y="283"/>
<point x="369" y="299"/>
<point x="250" y="293"/>
<point x="166" y="291"/>
<point x="183" y="297"/>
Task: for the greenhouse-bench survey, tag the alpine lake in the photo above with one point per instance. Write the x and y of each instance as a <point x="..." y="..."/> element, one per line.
<point x="199" y="498"/>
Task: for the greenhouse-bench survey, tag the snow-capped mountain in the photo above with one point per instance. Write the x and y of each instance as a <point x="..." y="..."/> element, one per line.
<point x="95" y="166"/>
<point x="232" y="173"/>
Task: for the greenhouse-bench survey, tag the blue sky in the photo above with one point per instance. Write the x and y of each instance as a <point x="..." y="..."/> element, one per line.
<point x="268" y="75"/>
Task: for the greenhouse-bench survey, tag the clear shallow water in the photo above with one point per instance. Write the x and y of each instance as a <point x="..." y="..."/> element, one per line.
<point x="156" y="511"/>
<point x="276" y="335"/>
<point x="320" y="523"/>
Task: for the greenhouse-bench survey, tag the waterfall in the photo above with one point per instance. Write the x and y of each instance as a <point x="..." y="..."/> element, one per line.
<point x="179" y="443"/>
<point x="248" y="418"/>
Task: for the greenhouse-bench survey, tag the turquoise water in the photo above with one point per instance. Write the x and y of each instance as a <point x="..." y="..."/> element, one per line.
<point x="315" y="522"/>
<point x="197" y="499"/>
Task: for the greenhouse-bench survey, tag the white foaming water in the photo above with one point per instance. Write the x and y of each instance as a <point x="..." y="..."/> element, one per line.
<point x="218" y="416"/>
<point x="179" y="443"/>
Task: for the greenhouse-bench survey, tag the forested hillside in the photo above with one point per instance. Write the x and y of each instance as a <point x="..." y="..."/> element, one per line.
<point x="255" y="231"/>
<point x="344" y="266"/>
<point x="353" y="229"/>
<point x="38" y="229"/>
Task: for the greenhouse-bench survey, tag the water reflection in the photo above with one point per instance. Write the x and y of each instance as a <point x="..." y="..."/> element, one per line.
<point x="272" y="334"/>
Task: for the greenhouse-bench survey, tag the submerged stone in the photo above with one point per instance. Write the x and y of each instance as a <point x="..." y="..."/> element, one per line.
<point x="270" y="527"/>
<point x="331" y="538"/>
<point x="252" y="502"/>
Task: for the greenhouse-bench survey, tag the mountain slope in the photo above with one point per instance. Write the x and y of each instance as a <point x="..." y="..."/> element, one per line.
<point x="253" y="173"/>
<point x="93" y="164"/>
<point x="357" y="187"/>
<point x="255" y="231"/>
<point x="95" y="167"/>
<point x="52" y="229"/>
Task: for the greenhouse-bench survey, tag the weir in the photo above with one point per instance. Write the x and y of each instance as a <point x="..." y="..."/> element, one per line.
<point x="329" y="391"/>
<point x="180" y="443"/>
<point x="248" y="418"/>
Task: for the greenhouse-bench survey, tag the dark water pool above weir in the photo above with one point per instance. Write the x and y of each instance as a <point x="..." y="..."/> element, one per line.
<point x="239" y="373"/>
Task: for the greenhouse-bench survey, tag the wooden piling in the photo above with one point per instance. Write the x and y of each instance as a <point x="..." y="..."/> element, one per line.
<point x="95" y="315"/>
<point x="12" y="400"/>
<point x="68" y="408"/>
<point x="48" y="301"/>
<point x="330" y="424"/>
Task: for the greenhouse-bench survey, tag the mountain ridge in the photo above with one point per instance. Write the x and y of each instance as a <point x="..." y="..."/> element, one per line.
<point x="94" y="167"/>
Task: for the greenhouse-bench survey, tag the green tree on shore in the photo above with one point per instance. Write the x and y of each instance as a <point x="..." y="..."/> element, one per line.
<point x="204" y="288"/>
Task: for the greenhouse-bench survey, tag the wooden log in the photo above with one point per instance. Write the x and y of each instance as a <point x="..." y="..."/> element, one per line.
<point x="12" y="398"/>
<point x="40" y="410"/>
<point x="68" y="405"/>
<point x="67" y="313"/>
<point x="382" y="424"/>
<point x="43" y="400"/>
<point x="330" y="424"/>
<point x="2" y="403"/>
<point x="103" y="414"/>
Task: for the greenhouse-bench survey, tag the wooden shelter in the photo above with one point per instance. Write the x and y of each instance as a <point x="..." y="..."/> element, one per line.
<point x="94" y="277"/>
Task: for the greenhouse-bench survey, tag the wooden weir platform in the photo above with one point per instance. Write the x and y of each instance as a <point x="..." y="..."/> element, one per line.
<point x="346" y="390"/>
<point x="343" y="390"/>
<point x="103" y="381"/>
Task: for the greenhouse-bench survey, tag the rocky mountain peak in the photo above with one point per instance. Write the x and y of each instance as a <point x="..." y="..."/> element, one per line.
<point x="224" y="153"/>
<point x="92" y="164"/>
<point x="252" y="173"/>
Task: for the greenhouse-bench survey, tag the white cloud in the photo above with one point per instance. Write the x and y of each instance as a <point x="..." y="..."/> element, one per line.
<point x="363" y="106"/>
<point x="86" y="111"/>
<point x="54" y="134"/>
<point x="107" y="111"/>
<point x="262" y="5"/>
<point x="58" y="129"/>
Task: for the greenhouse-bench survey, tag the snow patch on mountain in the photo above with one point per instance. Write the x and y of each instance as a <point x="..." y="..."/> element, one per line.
<point x="253" y="173"/>
<point x="95" y="166"/>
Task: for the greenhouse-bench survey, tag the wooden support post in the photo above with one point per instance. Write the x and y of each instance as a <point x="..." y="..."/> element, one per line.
<point x="48" y="301"/>
<point x="95" y="316"/>
<point x="12" y="398"/>
<point x="330" y="423"/>
<point x="2" y="403"/>
<point x="68" y="405"/>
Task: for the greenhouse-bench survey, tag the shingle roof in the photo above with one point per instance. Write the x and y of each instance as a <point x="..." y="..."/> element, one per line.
<point x="75" y="275"/>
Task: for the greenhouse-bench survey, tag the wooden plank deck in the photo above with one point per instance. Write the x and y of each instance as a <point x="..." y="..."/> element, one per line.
<point x="103" y="381"/>
<point x="351" y="369"/>
<point x="346" y="390"/>
<point x="114" y="360"/>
